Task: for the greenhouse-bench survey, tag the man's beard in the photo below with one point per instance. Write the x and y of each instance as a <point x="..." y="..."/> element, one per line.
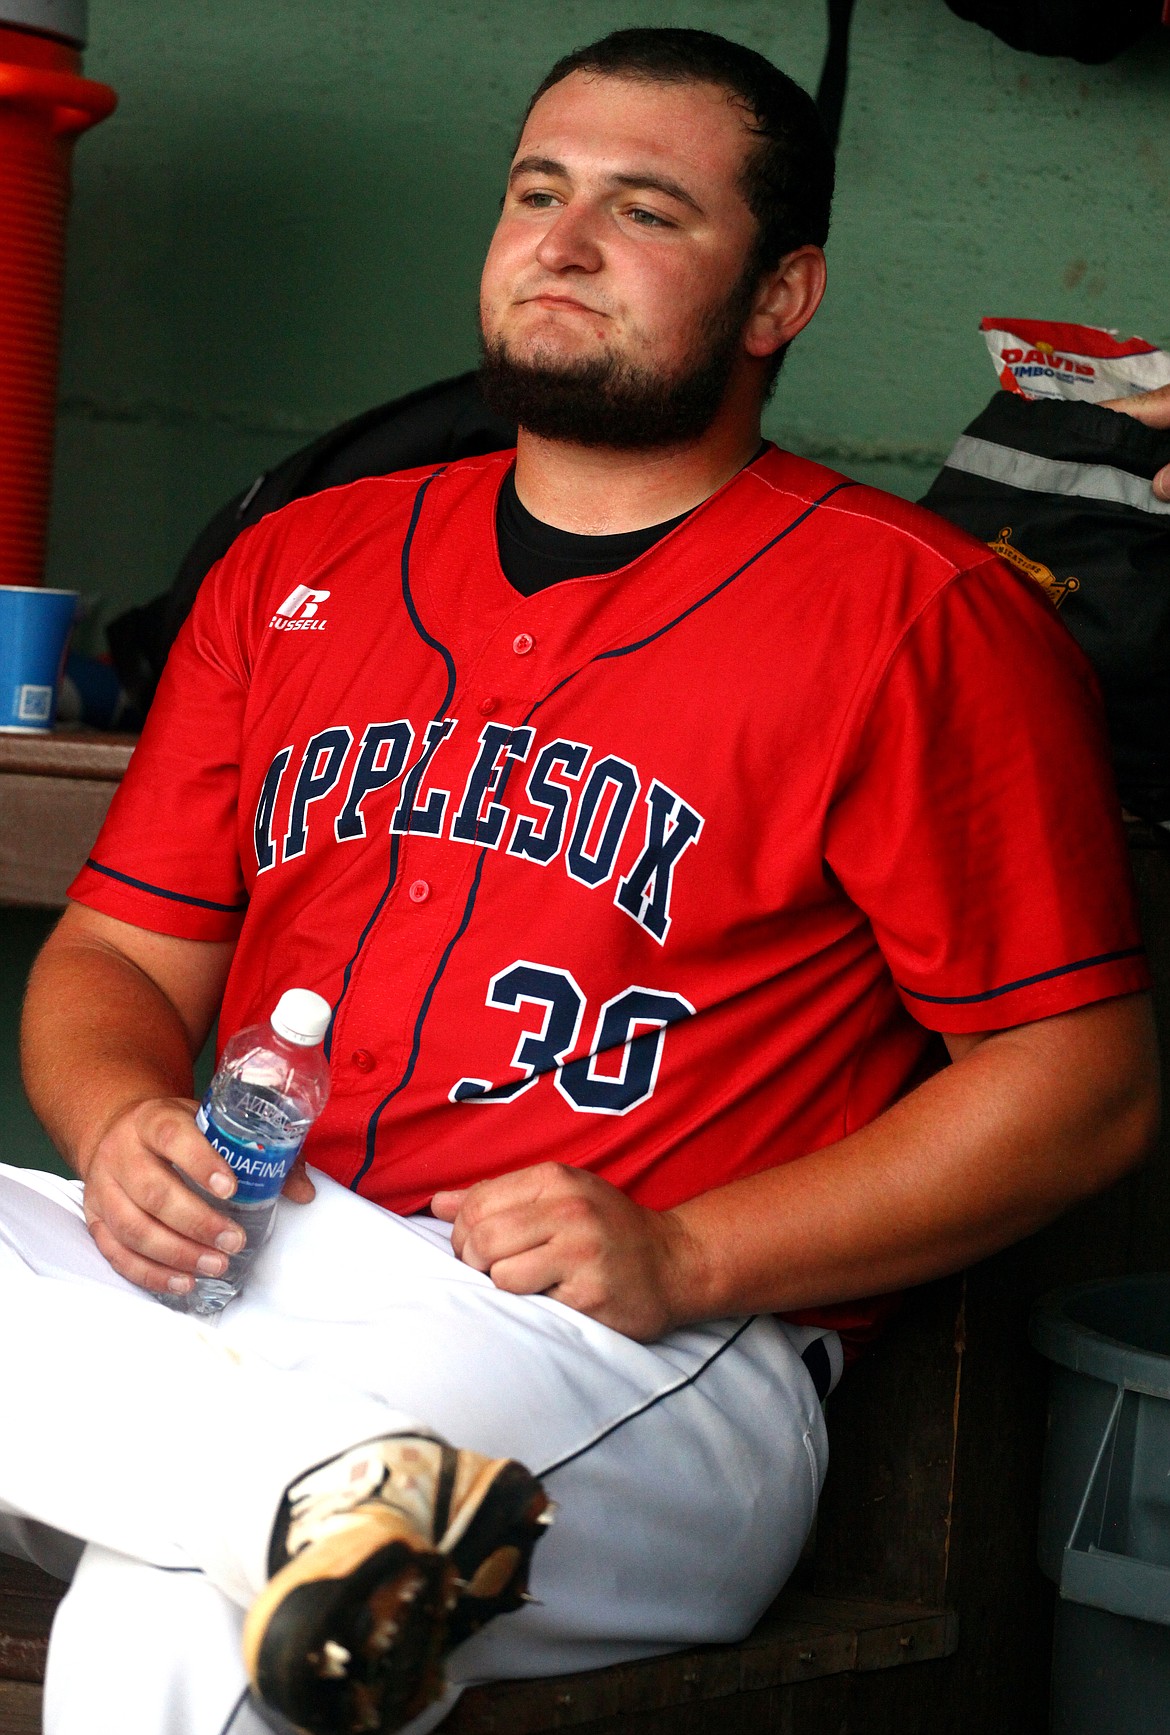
<point x="605" y="401"/>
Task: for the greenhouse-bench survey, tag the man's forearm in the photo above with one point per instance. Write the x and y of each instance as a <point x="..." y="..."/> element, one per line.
<point x="1023" y="1125"/>
<point x="113" y="1016"/>
<point x="97" y="1035"/>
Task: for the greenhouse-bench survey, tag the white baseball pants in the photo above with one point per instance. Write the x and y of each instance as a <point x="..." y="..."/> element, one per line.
<point x="686" y="1471"/>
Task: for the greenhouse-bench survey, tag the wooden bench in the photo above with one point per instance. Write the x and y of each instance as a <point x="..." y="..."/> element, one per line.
<point x="920" y="1610"/>
<point x="803" y="1638"/>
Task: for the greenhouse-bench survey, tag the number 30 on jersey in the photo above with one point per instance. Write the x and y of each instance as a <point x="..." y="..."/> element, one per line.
<point x="633" y="1023"/>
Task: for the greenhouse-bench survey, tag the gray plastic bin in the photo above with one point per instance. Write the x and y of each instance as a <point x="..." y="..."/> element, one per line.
<point x="1105" y="1504"/>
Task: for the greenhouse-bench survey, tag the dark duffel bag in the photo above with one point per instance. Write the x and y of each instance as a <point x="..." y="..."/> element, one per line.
<point x="1062" y="491"/>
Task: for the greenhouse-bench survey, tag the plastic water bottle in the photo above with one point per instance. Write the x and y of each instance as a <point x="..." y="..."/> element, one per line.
<point x="272" y="1083"/>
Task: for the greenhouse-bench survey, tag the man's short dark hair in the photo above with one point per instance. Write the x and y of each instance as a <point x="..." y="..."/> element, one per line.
<point x="787" y="178"/>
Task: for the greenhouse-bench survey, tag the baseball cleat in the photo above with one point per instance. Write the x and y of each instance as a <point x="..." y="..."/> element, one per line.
<point x="382" y="1560"/>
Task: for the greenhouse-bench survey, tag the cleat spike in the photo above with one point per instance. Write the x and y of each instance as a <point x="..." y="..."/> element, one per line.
<point x="331" y="1661"/>
<point x="369" y="1593"/>
<point x="383" y="1636"/>
<point x="534" y="1600"/>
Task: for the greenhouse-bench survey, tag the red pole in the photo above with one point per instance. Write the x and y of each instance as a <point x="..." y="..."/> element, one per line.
<point x="44" y="106"/>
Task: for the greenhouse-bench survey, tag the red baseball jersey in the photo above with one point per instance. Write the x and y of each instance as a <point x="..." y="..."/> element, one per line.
<point x="669" y="874"/>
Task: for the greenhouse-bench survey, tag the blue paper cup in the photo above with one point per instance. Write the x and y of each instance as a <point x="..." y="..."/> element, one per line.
<point x="34" y="636"/>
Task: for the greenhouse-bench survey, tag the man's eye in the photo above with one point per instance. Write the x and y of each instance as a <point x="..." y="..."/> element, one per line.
<point x="538" y="201"/>
<point x="648" y="219"/>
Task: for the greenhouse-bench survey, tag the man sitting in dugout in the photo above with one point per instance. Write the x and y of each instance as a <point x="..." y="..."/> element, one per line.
<point x="657" y="811"/>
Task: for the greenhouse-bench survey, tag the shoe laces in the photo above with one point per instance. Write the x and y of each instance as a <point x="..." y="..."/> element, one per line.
<point x="330" y="1499"/>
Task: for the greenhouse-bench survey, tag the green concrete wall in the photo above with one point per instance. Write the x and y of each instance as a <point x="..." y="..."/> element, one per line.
<point x="22" y="1140"/>
<point x="282" y="224"/>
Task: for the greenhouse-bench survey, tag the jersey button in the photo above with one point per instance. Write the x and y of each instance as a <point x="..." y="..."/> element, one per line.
<point x="362" y="1059"/>
<point x="419" y="891"/>
<point x="488" y="706"/>
<point x="523" y="643"/>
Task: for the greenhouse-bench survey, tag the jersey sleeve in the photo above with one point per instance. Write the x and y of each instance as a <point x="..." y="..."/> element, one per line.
<point x="976" y="821"/>
<point x="167" y="856"/>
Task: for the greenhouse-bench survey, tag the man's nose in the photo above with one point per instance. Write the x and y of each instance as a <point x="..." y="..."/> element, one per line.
<point x="571" y="241"/>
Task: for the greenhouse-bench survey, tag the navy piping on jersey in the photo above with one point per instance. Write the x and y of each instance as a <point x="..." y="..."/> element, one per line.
<point x="416" y="1043"/>
<point x="1025" y="981"/>
<point x="640" y="644"/>
<point x="162" y="892"/>
<point x="408" y="787"/>
<point x="624" y="650"/>
<point x="408" y="598"/>
<point x="650" y="1404"/>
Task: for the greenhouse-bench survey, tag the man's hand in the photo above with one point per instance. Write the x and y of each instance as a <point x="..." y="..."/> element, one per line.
<point x="1152" y="408"/>
<point x="552" y="1230"/>
<point x="151" y="1227"/>
<point x="1024" y="1123"/>
<point x="112" y="1019"/>
<point x="153" y="1230"/>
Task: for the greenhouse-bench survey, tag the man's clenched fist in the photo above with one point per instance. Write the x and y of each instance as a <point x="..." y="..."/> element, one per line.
<point x="552" y="1230"/>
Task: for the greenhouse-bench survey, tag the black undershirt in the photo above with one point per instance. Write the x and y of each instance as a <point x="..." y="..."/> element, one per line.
<point x="535" y="555"/>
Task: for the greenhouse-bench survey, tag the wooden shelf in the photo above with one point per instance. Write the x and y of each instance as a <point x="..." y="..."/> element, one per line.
<point x="54" y="792"/>
<point x="86" y="753"/>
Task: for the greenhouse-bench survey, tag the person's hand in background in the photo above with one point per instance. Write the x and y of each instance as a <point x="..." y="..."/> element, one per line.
<point x="1152" y="408"/>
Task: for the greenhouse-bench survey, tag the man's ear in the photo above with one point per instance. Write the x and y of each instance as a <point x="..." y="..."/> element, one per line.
<point x="785" y="300"/>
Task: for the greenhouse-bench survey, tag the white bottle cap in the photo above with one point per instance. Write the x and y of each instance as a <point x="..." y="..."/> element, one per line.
<point x="301" y="1016"/>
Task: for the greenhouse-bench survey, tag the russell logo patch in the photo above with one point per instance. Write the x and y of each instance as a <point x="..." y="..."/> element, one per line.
<point x="298" y="612"/>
